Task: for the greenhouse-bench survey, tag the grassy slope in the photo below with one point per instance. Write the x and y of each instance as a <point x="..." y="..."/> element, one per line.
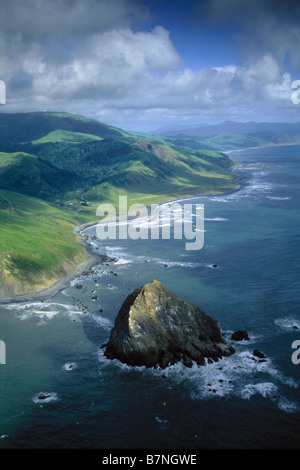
<point x="33" y="176"/>
<point x="153" y="172"/>
<point x="66" y="136"/>
<point x="30" y="252"/>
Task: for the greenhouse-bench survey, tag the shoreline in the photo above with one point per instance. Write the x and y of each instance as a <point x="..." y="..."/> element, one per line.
<point x="64" y="282"/>
<point x="259" y="147"/>
<point x="60" y="284"/>
<point x="93" y="259"/>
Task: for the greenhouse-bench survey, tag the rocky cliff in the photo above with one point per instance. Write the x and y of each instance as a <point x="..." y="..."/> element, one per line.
<point x="156" y="328"/>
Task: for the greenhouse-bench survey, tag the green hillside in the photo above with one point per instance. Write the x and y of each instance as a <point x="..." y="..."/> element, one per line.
<point x="66" y="136"/>
<point x="33" y="176"/>
<point x="37" y="244"/>
<point x="28" y="127"/>
<point x="56" y="168"/>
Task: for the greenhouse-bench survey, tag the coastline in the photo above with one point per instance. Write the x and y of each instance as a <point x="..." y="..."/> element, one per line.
<point x="60" y="284"/>
<point x="93" y="259"/>
<point x="259" y="147"/>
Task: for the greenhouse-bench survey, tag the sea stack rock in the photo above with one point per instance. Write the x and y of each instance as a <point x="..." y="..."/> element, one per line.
<point x="156" y="328"/>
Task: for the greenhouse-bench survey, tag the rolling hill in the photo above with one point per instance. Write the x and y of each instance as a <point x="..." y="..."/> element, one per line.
<point x="33" y="176"/>
<point x="231" y="135"/>
<point x="28" y="127"/>
<point x="270" y="129"/>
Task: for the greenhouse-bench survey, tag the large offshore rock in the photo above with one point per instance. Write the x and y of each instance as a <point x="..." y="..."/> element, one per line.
<point x="156" y="328"/>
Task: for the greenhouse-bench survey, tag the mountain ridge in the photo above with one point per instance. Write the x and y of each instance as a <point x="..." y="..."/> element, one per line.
<point x="244" y="128"/>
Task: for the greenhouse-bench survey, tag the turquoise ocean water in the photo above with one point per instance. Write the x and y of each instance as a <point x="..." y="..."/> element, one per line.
<point x="246" y="276"/>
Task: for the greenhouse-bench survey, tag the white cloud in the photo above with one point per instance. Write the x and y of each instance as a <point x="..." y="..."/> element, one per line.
<point x="91" y="61"/>
<point x="120" y="74"/>
<point x="263" y="71"/>
<point x="111" y="65"/>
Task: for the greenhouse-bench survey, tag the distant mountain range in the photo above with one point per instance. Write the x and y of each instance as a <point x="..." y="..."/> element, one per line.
<point x="231" y="135"/>
<point x="243" y="128"/>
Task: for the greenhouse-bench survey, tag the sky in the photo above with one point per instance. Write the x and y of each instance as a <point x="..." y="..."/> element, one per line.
<point x="149" y="64"/>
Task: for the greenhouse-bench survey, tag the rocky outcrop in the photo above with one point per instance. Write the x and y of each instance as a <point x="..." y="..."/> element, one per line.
<point x="240" y="335"/>
<point x="156" y="328"/>
<point x="258" y="354"/>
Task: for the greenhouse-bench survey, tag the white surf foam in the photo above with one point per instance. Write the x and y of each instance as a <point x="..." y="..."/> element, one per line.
<point x="45" y="310"/>
<point x="275" y="198"/>
<point x="172" y="264"/>
<point x="123" y="261"/>
<point x="266" y="389"/>
<point x="288" y="323"/>
<point x="240" y="375"/>
<point x="70" y="366"/>
<point x="288" y="406"/>
<point x="105" y="323"/>
<point x="45" y="397"/>
<point x="216" y="219"/>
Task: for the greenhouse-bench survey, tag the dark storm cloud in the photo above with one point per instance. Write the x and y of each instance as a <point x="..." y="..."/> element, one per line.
<point x="265" y="26"/>
<point x="56" y="19"/>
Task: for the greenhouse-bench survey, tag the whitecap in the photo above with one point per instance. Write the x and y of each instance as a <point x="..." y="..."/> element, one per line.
<point x="252" y="166"/>
<point x="44" y="310"/>
<point x="278" y="198"/>
<point x="266" y="389"/>
<point x="69" y="366"/>
<point x="216" y="219"/>
<point x="173" y="264"/>
<point x="287" y="406"/>
<point x="45" y="397"/>
<point x="212" y="266"/>
<point x="113" y="248"/>
<point x="287" y="323"/>
<point x="123" y="261"/>
<point x="254" y="188"/>
<point x="102" y="321"/>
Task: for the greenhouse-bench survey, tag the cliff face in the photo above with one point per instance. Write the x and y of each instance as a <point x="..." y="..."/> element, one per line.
<point x="43" y="285"/>
<point x="10" y="286"/>
<point x="156" y="328"/>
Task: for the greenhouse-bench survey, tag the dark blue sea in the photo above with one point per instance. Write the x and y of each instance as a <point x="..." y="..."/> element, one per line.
<point x="246" y="276"/>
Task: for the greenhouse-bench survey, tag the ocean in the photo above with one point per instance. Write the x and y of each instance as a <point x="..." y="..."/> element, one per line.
<point x="59" y="391"/>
